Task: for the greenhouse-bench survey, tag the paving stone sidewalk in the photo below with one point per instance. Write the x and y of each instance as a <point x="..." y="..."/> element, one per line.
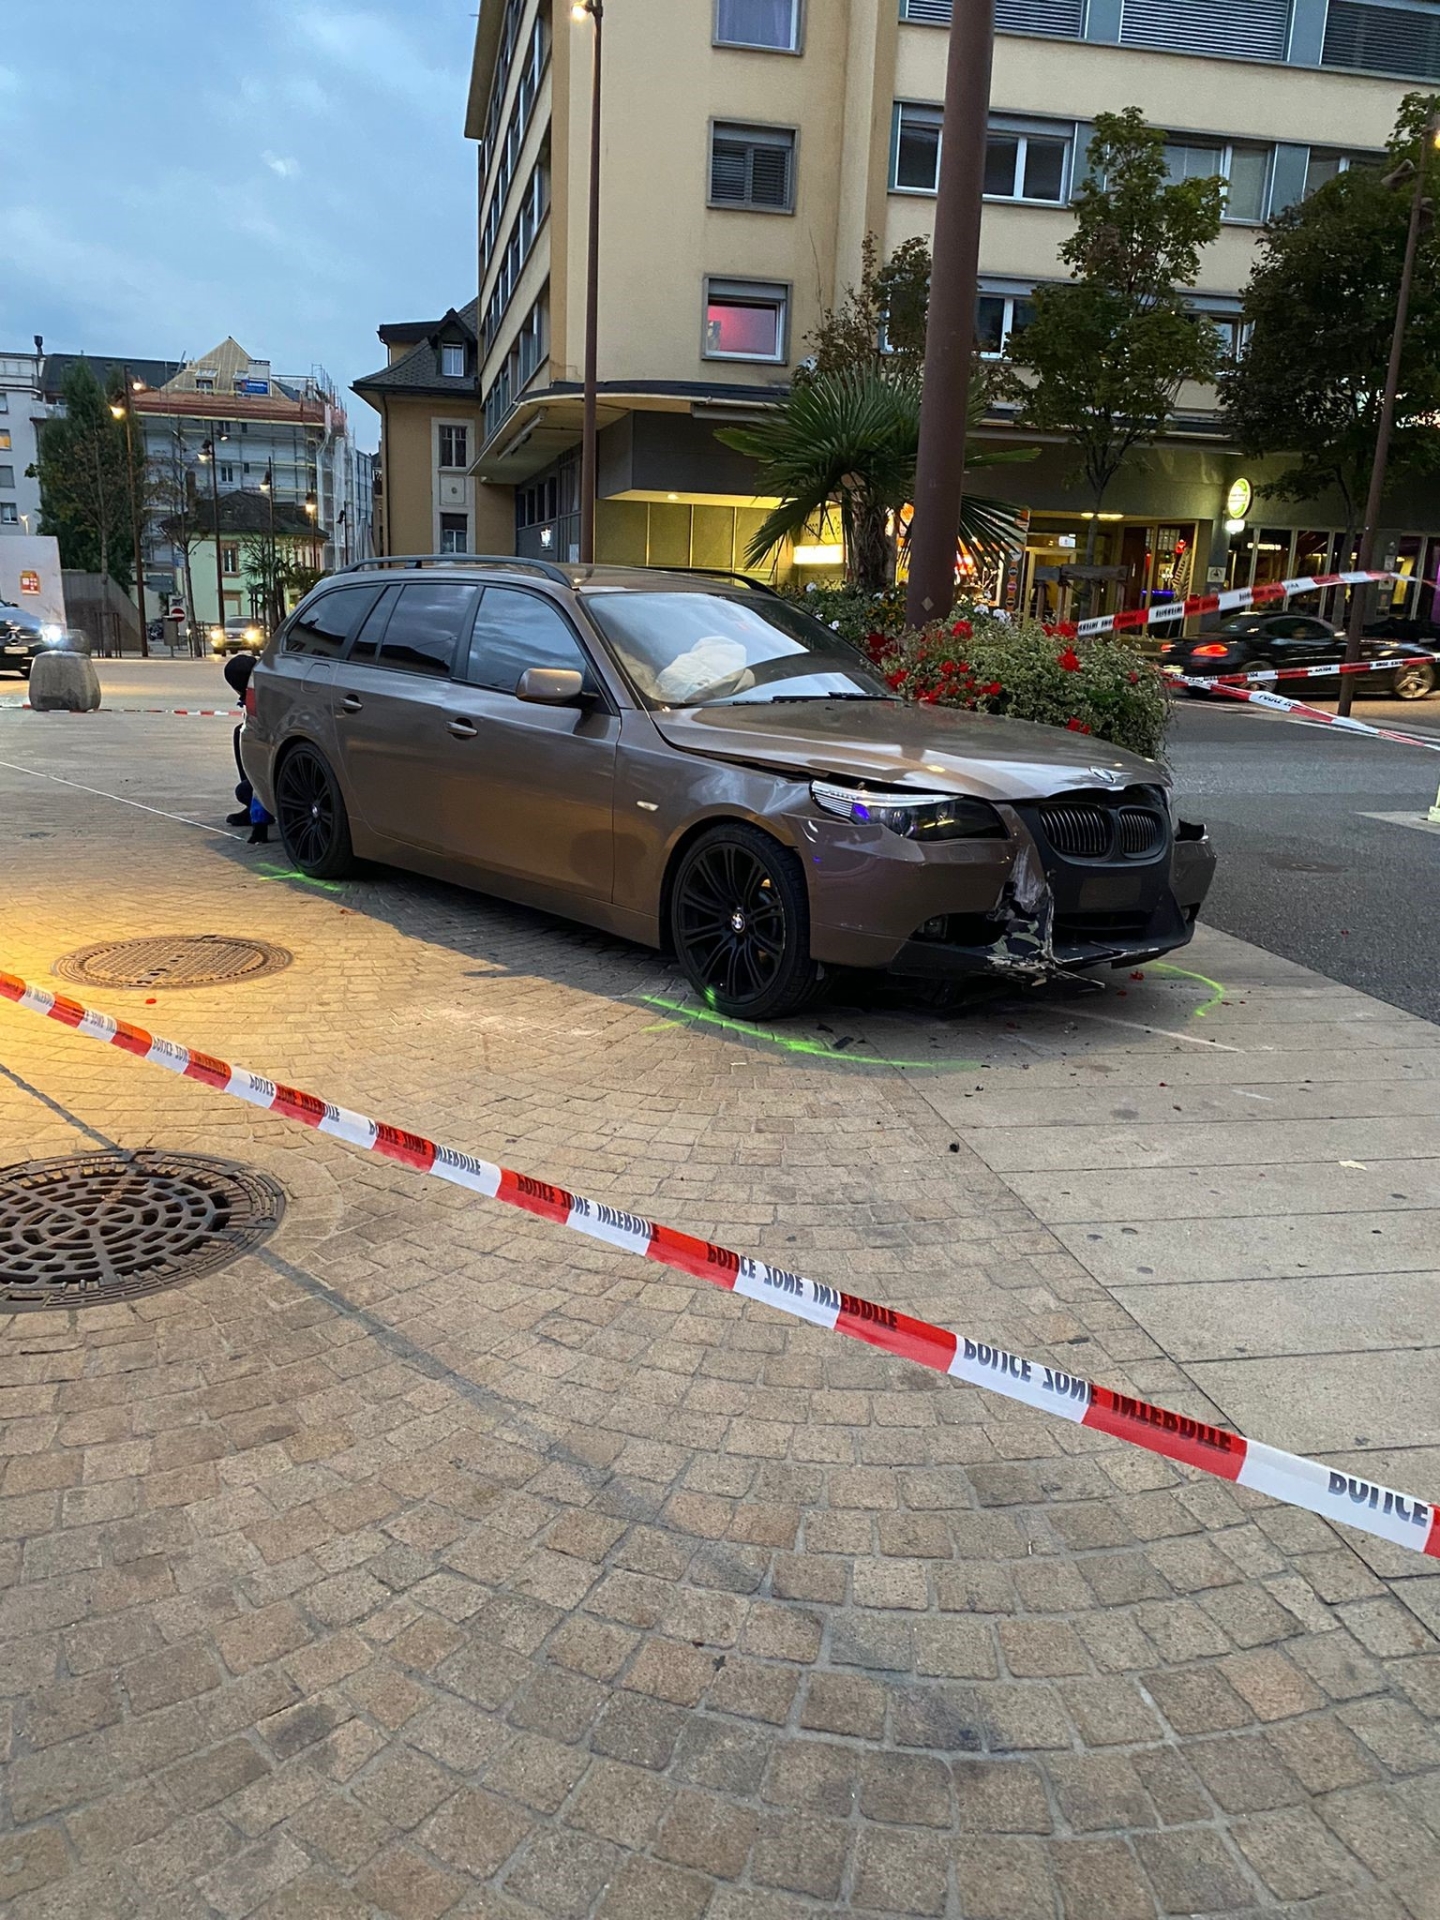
<point x="431" y="1562"/>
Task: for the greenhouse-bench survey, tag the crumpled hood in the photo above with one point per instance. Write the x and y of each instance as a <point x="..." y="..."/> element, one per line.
<point x="899" y="745"/>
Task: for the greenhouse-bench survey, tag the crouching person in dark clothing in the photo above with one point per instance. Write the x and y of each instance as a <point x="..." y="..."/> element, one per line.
<point x="238" y="669"/>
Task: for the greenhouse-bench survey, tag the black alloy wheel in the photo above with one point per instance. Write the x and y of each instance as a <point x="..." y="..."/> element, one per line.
<point x="1413" y="682"/>
<point x="311" y="815"/>
<point x="740" y="921"/>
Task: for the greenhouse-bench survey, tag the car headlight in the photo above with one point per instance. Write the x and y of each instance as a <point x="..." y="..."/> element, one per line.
<point x="919" y="816"/>
<point x="51" y="634"/>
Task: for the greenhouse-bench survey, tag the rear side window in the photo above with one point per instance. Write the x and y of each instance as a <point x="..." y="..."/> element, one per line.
<point x="517" y="630"/>
<point x="323" y="627"/>
<point x="429" y="621"/>
<point x="367" y="641"/>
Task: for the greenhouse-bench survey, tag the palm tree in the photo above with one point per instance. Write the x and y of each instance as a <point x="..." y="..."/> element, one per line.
<point x="850" y="440"/>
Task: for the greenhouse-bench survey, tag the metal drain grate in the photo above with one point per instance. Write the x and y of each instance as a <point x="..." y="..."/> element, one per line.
<point x="173" y="960"/>
<point x="99" y="1227"/>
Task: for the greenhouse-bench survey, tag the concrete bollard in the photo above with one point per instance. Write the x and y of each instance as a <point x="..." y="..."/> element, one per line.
<point x="64" y="682"/>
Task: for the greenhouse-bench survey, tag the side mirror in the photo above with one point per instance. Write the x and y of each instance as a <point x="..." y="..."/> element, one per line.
<point x="550" y="686"/>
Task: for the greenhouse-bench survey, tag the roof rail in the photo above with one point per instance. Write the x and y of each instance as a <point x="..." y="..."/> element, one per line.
<point x="546" y="568"/>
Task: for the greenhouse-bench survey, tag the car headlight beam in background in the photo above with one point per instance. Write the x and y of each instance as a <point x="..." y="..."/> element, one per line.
<point x="920" y="816"/>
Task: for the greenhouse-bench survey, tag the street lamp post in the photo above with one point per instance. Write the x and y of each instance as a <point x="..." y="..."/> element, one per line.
<point x="126" y="412"/>
<point x="272" y="565"/>
<point x="950" y="328"/>
<point x="207" y="452"/>
<point x="1420" y="212"/>
<point x="589" y="455"/>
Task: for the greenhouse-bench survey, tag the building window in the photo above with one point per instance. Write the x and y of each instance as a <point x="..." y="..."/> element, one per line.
<point x="452" y="362"/>
<point x="998" y="316"/>
<point x="771" y="24"/>
<point x="227" y="476"/>
<point x="1245" y="172"/>
<point x="1026" y="166"/>
<point x="204" y="383"/>
<point x="4" y="401"/>
<point x="7" y="477"/>
<point x="744" y="321"/>
<point x="229" y="558"/>
<point x="454" y="442"/>
<point x="752" y="167"/>
<point x="916" y="164"/>
<point x="1020" y="163"/>
<point x="1325" y="163"/>
<point x="4" y="440"/>
<point x="1062" y="19"/>
<point x="9" y="514"/>
<point x="1379" y="39"/>
<point x="526" y="356"/>
<point x="454" y="533"/>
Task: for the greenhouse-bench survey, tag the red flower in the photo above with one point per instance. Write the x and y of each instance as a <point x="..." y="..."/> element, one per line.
<point x="895" y="681"/>
<point x="1134" y="679"/>
<point x="1067" y="630"/>
<point x="927" y="699"/>
<point x="1076" y="726"/>
<point x="1069" y="660"/>
<point x="994" y="687"/>
<point x="962" y="629"/>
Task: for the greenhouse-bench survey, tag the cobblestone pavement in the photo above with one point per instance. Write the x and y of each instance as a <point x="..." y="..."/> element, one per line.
<point x="430" y="1562"/>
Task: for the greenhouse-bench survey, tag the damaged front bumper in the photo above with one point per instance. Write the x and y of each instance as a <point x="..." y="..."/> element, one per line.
<point x="1057" y="917"/>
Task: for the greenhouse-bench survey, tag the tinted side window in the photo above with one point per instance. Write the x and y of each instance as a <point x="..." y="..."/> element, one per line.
<point x="324" y="626"/>
<point x="367" y="641"/>
<point x="430" y="617"/>
<point x="517" y="630"/>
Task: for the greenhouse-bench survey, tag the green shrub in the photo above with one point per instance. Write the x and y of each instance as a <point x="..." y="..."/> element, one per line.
<point x="1028" y="671"/>
<point x="855" y="615"/>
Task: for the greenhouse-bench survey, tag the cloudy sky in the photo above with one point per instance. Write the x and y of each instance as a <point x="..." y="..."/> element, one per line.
<point x="292" y="172"/>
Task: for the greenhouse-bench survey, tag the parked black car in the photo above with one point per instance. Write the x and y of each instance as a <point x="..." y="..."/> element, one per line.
<point x="22" y="636"/>
<point x="1246" y="642"/>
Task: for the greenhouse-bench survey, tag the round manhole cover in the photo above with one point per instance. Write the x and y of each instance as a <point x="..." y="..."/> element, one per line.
<point x="97" y="1227"/>
<point x="173" y="960"/>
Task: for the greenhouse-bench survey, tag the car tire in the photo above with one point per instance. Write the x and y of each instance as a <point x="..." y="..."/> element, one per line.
<point x="760" y="968"/>
<point x="310" y="813"/>
<point x="1413" y="683"/>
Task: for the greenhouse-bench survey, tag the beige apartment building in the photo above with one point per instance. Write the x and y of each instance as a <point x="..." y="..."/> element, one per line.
<point x="749" y="146"/>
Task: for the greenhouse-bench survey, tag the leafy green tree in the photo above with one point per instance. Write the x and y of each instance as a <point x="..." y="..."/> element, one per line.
<point x="85" y="475"/>
<point x="849" y="439"/>
<point x="1320" y="305"/>
<point x="1106" y="354"/>
<point x="889" y="305"/>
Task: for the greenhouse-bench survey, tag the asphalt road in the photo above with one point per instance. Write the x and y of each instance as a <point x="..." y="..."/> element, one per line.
<point x="1306" y="870"/>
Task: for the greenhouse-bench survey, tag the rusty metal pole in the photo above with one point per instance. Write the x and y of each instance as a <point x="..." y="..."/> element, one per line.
<point x="589" y="450"/>
<point x="950" y="328"/>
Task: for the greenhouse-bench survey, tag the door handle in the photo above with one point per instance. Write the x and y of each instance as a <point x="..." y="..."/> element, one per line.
<point x="352" y="703"/>
<point x="462" y="729"/>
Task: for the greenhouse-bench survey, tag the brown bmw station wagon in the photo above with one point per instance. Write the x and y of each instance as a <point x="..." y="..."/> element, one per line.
<point x="691" y="761"/>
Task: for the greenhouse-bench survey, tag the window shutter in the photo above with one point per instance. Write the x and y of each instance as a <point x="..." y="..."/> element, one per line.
<point x="727" y="170"/>
<point x="1063" y="19"/>
<point x="770" y="176"/>
<point x="1383" y="39"/>
<point x="1253" y="29"/>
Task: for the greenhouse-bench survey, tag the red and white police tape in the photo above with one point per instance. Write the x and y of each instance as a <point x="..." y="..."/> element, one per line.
<point x="1287" y="1477"/>
<point x="1277" y="703"/>
<point x="191" y="713"/>
<point x="1262" y="675"/>
<point x="1235" y="600"/>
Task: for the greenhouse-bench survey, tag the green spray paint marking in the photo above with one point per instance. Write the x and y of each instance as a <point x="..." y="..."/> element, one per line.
<point x="1217" y="992"/>
<point x="294" y="873"/>
<point x="788" y="1044"/>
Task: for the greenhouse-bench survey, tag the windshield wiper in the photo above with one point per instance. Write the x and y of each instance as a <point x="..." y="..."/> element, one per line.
<point x="793" y="699"/>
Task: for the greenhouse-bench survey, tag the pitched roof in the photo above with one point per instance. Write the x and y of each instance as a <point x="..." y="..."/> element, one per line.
<point x="154" y="373"/>
<point x="193" y="405"/>
<point x="225" y="364"/>
<point x="418" y="371"/>
<point x="247" y="511"/>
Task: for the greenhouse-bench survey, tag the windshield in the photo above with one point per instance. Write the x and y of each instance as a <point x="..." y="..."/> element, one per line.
<point x="712" y="649"/>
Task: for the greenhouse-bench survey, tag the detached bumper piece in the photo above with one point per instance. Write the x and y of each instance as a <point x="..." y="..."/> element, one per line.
<point x="1105" y="882"/>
